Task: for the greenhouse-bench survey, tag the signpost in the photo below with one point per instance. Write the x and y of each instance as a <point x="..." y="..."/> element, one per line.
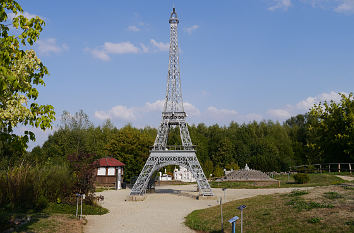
<point x="224" y="189"/>
<point x="81" y="197"/>
<point x="222" y="218"/>
<point x="233" y="221"/>
<point x="241" y="207"/>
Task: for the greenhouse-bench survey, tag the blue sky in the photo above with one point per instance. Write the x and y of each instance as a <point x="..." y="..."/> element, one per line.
<point x="241" y="60"/>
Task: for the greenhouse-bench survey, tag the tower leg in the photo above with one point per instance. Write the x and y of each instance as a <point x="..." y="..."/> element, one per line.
<point x="197" y="171"/>
<point x="141" y="183"/>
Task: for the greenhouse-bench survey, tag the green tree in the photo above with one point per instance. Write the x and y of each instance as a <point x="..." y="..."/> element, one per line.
<point x="208" y="168"/>
<point x="218" y="172"/>
<point x="130" y="146"/>
<point x="331" y="132"/>
<point x="20" y="72"/>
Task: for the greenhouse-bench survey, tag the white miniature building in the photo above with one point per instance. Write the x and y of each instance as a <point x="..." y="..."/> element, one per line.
<point x="164" y="177"/>
<point x="226" y="172"/>
<point x="183" y="175"/>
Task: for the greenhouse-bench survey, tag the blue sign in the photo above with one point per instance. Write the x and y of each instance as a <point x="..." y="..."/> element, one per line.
<point x="241" y="207"/>
<point x="234" y="219"/>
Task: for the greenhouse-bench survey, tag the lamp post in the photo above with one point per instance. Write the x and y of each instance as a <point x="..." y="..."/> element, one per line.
<point x="241" y="207"/>
<point x="233" y="221"/>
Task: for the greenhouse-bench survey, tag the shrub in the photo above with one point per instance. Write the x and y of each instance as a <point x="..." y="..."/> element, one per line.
<point x="82" y="167"/>
<point x="25" y="186"/>
<point x="301" y="178"/>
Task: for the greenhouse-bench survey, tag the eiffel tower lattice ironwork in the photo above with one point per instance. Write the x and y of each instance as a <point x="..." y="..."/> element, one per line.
<point x="173" y="115"/>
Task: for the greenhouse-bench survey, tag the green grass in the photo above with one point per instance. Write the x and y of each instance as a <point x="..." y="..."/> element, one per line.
<point x="300" y="204"/>
<point x="310" y="213"/>
<point x="43" y="220"/>
<point x="315" y="180"/>
<point x="332" y="195"/>
<point x="314" y="220"/>
<point x="297" y="193"/>
<point x="101" y="189"/>
<point x="240" y="185"/>
<point x="54" y="208"/>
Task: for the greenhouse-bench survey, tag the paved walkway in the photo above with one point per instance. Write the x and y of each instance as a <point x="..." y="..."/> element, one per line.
<point x="163" y="211"/>
<point x="348" y="178"/>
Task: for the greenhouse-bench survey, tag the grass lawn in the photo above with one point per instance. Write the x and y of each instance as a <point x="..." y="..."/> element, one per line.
<point x="315" y="180"/>
<point x="54" y="218"/>
<point x="101" y="189"/>
<point x="323" y="209"/>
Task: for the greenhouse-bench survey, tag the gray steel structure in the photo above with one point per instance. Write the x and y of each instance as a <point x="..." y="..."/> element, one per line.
<point x="173" y="115"/>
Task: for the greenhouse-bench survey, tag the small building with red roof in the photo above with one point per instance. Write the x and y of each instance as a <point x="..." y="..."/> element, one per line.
<point x="109" y="172"/>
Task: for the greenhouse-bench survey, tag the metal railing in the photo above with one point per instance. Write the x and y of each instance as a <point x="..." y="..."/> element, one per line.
<point x="324" y="167"/>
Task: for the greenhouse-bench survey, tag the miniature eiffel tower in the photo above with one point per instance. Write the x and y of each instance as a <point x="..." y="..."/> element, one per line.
<point x="173" y="115"/>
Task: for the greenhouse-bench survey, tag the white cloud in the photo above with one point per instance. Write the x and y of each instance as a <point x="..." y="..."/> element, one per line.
<point x="160" y="45"/>
<point x="339" y="6"/>
<point x="346" y="6"/>
<point x="103" y="52"/>
<point x="120" y="48"/>
<point x="133" y="28"/>
<point x="118" y="112"/>
<point x="303" y="106"/>
<point x="102" y="115"/>
<point x="310" y="101"/>
<point x="100" y="54"/>
<point x="279" y="113"/>
<point x="190" y="29"/>
<point x="123" y="112"/>
<point x="190" y="109"/>
<point x="280" y="4"/>
<point x="48" y="46"/>
<point x="144" y="48"/>
<point x="138" y="113"/>
<point x="252" y="117"/>
<point x="221" y="112"/>
<point x="155" y="106"/>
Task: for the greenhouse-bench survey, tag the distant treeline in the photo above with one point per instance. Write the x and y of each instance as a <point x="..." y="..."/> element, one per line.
<point x="324" y="134"/>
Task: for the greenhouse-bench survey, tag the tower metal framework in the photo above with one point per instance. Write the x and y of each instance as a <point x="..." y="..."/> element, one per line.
<point x="173" y="115"/>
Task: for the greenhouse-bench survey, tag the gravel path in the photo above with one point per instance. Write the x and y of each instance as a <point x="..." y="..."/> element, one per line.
<point x="348" y="178"/>
<point x="163" y="211"/>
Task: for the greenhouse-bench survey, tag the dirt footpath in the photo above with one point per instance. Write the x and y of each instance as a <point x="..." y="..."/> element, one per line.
<point x="348" y="178"/>
<point x="163" y="211"/>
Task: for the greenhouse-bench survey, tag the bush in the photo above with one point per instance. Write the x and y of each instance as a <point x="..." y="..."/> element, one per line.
<point x="25" y="186"/>
<point x="301" y="178"/>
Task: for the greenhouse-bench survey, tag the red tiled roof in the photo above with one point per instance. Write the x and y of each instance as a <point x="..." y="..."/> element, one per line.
<point x="109" y="162"/>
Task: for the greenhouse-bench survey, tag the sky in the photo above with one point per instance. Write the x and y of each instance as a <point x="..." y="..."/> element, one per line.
<point x="241" y="60"/>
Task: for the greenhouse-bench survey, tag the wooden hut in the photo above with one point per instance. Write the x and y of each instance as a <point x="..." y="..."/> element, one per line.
<point x="109" y="172"/>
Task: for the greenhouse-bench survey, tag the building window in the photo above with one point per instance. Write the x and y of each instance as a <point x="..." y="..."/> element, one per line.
<point x="111" y="171"/>
<point x="101" y="171"/>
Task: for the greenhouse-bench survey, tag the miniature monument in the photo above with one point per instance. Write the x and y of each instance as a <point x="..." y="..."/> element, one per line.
<point x="173" y="115"/>
<point x="247" y="174"/>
